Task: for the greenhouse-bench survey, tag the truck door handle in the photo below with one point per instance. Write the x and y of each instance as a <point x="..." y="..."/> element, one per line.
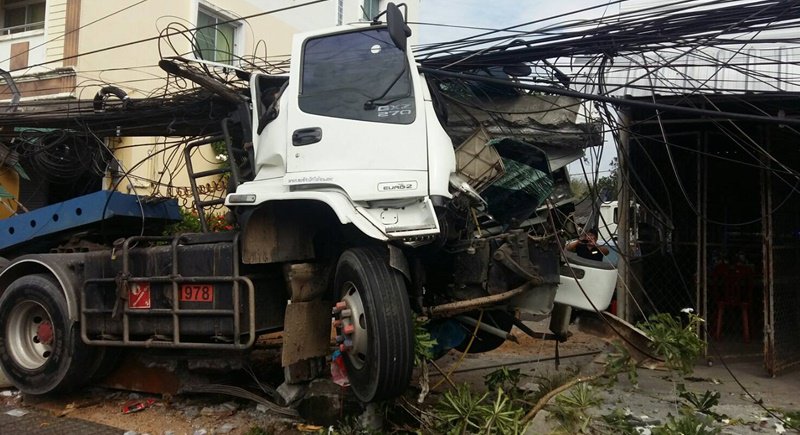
<point x="306" y="136"/>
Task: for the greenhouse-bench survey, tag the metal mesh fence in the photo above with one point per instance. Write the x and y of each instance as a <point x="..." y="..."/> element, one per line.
<point x="666" y="280"/>
<point x="663" y="278"/>
<point x="784" y="299"/>
<point x="786" y="307"/>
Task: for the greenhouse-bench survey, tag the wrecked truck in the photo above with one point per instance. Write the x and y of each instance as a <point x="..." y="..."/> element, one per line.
<point x="361" y="192"/>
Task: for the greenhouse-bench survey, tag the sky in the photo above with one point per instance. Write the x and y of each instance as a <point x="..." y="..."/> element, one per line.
<point x="495" y="14"/>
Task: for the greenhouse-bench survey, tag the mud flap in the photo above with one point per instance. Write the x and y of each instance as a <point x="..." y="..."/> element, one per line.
<point x="307" y="331"/>
<point x="307" y="323"/>
<point x="306" y="339"/>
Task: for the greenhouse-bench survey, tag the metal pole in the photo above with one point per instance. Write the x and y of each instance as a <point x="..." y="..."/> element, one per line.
<point x="701" y="278"/>
<point x="766" y="219"/>
<point x="623" y="228"/>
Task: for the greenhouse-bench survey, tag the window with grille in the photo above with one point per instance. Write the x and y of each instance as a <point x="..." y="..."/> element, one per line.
<point x="214" y="39"/>
<point x="22" y="15"/>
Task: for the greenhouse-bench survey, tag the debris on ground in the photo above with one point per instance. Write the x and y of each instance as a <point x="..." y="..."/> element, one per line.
<point x="137" y="405"/>
<point x="17" y="412"/>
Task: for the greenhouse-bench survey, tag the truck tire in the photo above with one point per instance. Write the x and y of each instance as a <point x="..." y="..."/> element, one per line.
<point x="381" y="357"/>
<point x="40" y="349"/>
<point x="106" y="361"/>
<point x="484" y="341"/>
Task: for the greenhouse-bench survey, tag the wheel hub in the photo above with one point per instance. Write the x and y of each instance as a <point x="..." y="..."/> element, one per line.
<point x="30" y="335"/>
<point x="45" y="333"/>
<point x="352" y="326"/>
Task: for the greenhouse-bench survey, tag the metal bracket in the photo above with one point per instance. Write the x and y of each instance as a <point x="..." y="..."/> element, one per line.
<point x="505" y="256"/>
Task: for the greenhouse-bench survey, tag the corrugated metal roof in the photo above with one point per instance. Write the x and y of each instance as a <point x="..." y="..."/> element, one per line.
<point x="764" y="61"/>
<point x="709" y="70"/>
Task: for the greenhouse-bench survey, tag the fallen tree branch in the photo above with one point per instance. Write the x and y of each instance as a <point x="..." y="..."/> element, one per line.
<point x="441" y="372"/>
<point x="556" y="391"/>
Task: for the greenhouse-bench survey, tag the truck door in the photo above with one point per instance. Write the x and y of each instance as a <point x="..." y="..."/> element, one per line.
<point x="353" y="116"/>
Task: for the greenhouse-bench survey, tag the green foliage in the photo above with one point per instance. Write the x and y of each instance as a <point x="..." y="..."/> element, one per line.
<point x="504" y="416"/>
<point x="462" y="411"/>
<point x="218" y="223"/>
<point x="507" y="380"/>
<point x="792" y="419"/>
<point x="579" y="188"/>
<point x="423" y="342"/>
<point x="351" y="425"/>
<point x="219" y="148"/>
<point x="700" y="403"/>
<point x="679" y="345"/>
<point x="189" y="223"/>
<point x="549" y="382"/>
<point x="620" y="361"/>
<point x="256" y="430"/>
<point x="5" y="193"/>
<point x="572" y="409"/>
<point x="619" y="423"/>
<point x="688" y="424"/>
<point x="21" y="171"/>
<point x="607" y="187"/>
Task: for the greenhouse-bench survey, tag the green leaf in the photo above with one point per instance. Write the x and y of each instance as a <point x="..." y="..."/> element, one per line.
<point x="4" y="193"/>
<point x="423" y="343"/>
<point x="21" y="171"/>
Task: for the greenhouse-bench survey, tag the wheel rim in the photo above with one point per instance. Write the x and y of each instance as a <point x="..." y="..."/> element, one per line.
<point x="358" y="347"/>
<point x="30" y="335"/>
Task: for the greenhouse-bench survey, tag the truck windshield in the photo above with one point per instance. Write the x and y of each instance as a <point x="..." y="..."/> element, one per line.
<point x="357" y="75"/>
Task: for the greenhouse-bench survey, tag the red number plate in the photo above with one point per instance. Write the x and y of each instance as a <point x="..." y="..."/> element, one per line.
<point x="197" y="293"/>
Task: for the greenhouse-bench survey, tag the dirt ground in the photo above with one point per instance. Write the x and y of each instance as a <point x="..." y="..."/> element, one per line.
<point x="653" y="398"/>
<point x="190" y="414"/>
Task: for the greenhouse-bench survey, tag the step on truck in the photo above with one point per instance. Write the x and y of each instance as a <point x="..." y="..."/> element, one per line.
<point x="359" y="198"/>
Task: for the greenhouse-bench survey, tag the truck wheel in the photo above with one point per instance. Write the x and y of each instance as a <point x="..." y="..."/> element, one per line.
<point x="379" y="328"/>
<point x="106" y="361"/>
<point x="484" y="341"/>
<point x="40" y="351"/>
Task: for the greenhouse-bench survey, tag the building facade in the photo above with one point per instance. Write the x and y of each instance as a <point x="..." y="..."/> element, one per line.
<point x="59" y="51"/>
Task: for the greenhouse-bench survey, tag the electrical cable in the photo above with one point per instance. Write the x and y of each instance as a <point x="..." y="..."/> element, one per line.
<point x="155" y="38"/>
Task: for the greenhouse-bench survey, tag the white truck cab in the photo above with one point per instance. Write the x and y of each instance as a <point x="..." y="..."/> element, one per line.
<point x="352" y="194"/>
<point x="355" y="129"/>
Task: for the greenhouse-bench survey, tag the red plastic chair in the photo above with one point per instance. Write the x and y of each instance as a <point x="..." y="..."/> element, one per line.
<point x="737" y="292"/>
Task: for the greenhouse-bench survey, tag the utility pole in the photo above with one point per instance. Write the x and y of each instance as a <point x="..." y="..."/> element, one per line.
<point x="623" y="210"/>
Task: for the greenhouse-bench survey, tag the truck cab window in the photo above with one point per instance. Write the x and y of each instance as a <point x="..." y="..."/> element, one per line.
<point x="357" y="75"/>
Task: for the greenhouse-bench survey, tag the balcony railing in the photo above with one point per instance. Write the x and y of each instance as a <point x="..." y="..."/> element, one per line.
<point x="21" y="28"/>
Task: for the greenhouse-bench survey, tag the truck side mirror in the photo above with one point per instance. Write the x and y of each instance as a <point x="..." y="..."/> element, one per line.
<point x="398" y="29"/>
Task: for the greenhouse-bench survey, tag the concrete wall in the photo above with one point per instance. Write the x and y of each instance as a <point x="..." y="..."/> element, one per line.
<point x="138" y="62"/>
<point x="134" y="67"/>
<point x="36" y="39"/>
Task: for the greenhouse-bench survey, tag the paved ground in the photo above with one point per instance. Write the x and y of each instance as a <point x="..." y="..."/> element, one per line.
<point x="655" y="396"/>
<point x="39" y="422"/>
